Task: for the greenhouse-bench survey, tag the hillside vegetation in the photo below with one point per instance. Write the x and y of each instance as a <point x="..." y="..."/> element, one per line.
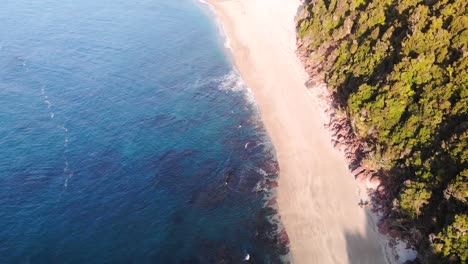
<point x="398" y="70"/>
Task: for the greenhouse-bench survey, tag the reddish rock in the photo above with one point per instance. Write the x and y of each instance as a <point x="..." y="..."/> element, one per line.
<point x="355" y="148"/>
<point x="383" y="227"/>
<point x="373" y="182"/>
<point x="394" y="234"/>
<point x="272" y="202"/>
<point x="362" y="178"/>
<point x="381" y="190"/>
<point x="284" y="239"/>
<point x="343" y="136"/>
<point x="273" y="184"/>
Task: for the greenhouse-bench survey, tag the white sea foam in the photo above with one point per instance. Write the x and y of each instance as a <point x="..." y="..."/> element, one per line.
<point x="246" y="145"/>
<point x="63" y="128"/>
<point x="262" y="172"/>
<point x="260" y="186"/>
<point x="227" y="40"/>
<point x="67" y="178"/>
<point x="52" y="115"/>
<point x="234" y="82"/>
<point x="68" y="172"/>
<point x="221" y="28"/>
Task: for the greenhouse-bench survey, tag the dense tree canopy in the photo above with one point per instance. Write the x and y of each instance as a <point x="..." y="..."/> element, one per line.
<point x="399" y="71"/>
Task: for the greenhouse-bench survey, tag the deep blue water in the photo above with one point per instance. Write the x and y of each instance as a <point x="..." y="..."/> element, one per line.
<point x="126" y="136"/>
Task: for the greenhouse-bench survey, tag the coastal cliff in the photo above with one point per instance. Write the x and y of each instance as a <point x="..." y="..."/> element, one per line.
<point x="397" y="100"/>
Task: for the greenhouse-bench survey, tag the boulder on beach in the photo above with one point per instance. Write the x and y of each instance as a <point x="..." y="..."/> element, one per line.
<point x="373" y="182"/>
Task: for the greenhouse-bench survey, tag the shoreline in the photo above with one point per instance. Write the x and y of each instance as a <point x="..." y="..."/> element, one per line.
<point x="317" y="196"/>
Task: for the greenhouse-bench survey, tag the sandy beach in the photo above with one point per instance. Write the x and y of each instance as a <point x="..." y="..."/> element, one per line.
<point x="317" y="196"/>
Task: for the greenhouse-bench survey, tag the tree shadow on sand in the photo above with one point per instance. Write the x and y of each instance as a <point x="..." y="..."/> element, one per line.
<point x="366" y="248"/>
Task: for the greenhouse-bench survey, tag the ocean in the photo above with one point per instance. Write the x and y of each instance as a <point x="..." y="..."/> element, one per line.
<point x="127" y="136"/>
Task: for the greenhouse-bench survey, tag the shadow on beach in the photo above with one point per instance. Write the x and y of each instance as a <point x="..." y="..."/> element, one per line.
<point x="365" y="248"/>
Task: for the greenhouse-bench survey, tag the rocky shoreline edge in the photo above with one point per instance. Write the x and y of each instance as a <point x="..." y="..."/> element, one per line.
<point x="343" y="137"/>
<point x="374" y="182"/>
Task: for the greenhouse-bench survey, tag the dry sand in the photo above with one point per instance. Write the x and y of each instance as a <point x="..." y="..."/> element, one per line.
<point x="317" y="196"/>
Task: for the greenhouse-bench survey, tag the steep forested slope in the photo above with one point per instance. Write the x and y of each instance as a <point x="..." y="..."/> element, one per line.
<point x="398" y="70"/>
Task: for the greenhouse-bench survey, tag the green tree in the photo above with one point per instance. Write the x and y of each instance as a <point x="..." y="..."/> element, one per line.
<point x="399" y="71"/>
<point x="453" y="240"/>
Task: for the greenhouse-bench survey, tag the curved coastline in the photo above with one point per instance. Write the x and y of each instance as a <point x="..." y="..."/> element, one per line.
<point x="317" y="196"/>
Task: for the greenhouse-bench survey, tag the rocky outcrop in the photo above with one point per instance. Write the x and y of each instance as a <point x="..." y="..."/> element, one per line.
<point x="343" y="137"/>
<point x="354" y="150"/>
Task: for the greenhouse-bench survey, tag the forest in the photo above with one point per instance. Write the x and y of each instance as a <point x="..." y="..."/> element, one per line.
<point x="398" y="71"/>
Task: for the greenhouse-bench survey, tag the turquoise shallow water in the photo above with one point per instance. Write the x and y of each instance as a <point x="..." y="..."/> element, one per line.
<point x="126" y="136"/>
